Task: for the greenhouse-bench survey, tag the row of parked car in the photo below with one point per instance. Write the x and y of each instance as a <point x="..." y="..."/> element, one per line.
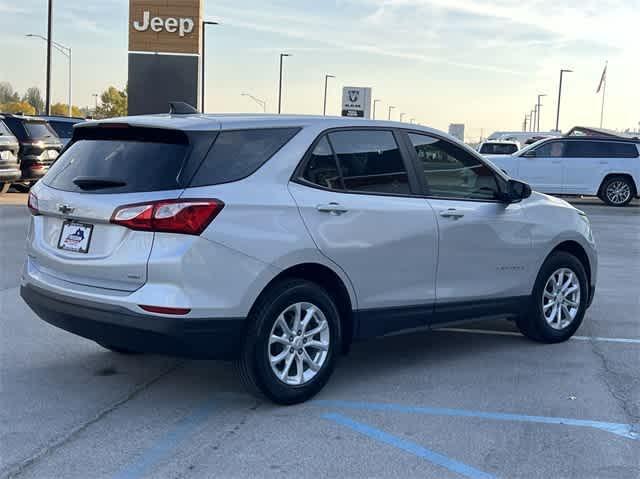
<point x="29" y="145"/>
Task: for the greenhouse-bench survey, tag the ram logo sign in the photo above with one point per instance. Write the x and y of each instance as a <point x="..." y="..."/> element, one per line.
<point x="356" y="102"/>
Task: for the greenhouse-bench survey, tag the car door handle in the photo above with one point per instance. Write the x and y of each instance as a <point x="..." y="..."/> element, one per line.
<point x="556" y="162"/>
<point x="332" y="208"/>
<point x="452" y="213"/>
<point x="602" y="162"/>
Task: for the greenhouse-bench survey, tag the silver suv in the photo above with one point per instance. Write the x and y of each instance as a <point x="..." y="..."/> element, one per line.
<point x="277" y="241"/>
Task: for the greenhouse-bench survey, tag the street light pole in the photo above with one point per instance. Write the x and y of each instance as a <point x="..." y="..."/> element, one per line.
<point x="402" y="116"/>
<point x="374" y="108"/>
<point x="539" y="107"/>
<point x="391" y="107"/>
<point x="260" y="102"/>
<point x="533" y="116"/>
<point x="282" y="55"/>
<point x="204" y="43"/>
<point x="95" y="97"/>
<point x="560" y="97"/>
<point x="326" y="80"/>
<point x="47" y="105"/>
<point x="66" y="51"/>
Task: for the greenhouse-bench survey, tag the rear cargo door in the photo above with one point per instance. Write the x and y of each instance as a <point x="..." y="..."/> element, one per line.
<point x="72" y="238"/>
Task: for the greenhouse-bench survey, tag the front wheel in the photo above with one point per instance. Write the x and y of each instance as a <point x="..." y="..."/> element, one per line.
<point x="617" y="191"/>
<point x="292" y="342"/>
<point x="559" y="300"/>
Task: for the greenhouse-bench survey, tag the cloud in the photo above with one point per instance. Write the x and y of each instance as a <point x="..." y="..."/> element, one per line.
<point x="10" y="8"/>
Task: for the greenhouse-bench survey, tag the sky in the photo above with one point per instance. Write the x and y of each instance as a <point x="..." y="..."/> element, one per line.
<point x="477" y="62"/>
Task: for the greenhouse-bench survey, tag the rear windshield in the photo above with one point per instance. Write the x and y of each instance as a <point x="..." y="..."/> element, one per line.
<point x="498" y="149"/>
<point x="117" y="166"/>
<point x="36" y="130"/>
<point x="64" y="129"/>
<point x="239" y="153"/>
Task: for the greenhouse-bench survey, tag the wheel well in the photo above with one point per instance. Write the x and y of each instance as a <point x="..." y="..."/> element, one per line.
<point x="619" y="175"/>
<point x="578" y="251"/>
<point x="333" y="284"/>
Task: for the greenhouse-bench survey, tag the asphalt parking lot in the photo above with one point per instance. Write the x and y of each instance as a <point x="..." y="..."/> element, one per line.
<point x="476" y="402"/>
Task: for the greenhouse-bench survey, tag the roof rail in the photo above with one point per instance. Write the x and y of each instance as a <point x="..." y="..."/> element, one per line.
<point x="181" y="108"/>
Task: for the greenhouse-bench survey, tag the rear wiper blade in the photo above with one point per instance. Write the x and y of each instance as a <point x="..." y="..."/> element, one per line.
<point x="90" y="183"/>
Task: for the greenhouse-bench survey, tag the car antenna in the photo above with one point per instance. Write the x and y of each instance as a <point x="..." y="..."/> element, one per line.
<point x="181" y="108"/>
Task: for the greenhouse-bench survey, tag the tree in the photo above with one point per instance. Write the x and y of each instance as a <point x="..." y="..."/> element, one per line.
<point x="7" y="95"/>
<point x="18" y="107"/>
<point x="62" y="109"/>
<point x="113" y="103"/>
<point x="33" y="97"/>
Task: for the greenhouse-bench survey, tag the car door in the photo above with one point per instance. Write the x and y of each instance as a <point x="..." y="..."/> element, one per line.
<point x="357" y="201"/>
<point x="542" y="167"/>
<point x="484" y="258"/>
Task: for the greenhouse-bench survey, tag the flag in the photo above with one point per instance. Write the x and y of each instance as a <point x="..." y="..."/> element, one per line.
<point x="603" y="78"/>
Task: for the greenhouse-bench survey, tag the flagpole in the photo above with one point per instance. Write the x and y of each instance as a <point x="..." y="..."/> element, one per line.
<point x="604" y="90"/>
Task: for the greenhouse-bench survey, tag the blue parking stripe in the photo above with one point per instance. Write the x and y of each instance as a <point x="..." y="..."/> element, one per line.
<point x="624" y="430"/>
<point x="410" y="447"/>
<point x="158" y="451"/>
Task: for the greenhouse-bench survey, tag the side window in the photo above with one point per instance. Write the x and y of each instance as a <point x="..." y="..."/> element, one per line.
<point x="451" y="172"/>
<point x="237" y="154"/>
<point x="551" y="149"/>
<point x="370" y="161"/>
<point x="62" y="128"/>
<point x="623" y="150"/>
<point x="322" y="169"/>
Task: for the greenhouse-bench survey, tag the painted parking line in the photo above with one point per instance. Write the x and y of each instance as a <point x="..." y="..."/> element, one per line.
<point x="408" y="446"/>
<point x="161" y="449"/>
<point x="624" y="430"/>
<point x="511" y="333"/>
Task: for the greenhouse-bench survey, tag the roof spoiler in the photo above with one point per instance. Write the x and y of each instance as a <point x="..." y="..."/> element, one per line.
<point x="181" y="108"/>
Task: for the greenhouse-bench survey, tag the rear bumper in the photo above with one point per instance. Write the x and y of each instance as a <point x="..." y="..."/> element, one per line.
<point x="116" y="326"/>
<point x="9" y="175"/>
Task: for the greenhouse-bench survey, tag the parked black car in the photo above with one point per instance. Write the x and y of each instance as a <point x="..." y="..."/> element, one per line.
<point x="63" y="126"/>
<point x="39" y="145"/>
<point x="9" y="167"/>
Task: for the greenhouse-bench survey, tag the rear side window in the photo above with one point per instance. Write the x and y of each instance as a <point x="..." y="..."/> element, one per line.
<point x="4" y="130"/>
<point x="600" y="149"/>
<point x="370" y="161"/>
<point x="239" y="153"/>
<point x="117" y="166"/>
<point x="498" y="149"/>
<point x="62" y="128"/>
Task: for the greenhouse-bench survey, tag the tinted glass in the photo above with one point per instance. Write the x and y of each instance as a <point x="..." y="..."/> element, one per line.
<point x="37" y="130"/>
<point x="498" y="149"/>
<point x="600" y="149"/>
<point x="551" y="149"/>
<point x="451" y="172"/>
<point x="62" y="128"/>
<point x="142" y="166"/>
<point x="238" y="154"/>
<point x="322" y="169"/>
<point x="370" y="161"/>
<point x="4" y="130"/>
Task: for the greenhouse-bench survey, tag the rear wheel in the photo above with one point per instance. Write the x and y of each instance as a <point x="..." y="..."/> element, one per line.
<point x="4" y="187"/>
<point x="617" y="191"/>
<point x="293" y="339"/>
<point x="559" y="301"/>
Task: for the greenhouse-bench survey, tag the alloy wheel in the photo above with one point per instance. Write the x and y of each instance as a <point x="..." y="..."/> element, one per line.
<point x="299" y="343"/>
<point x="561" y="298"/>
<point x="618" y="192"/>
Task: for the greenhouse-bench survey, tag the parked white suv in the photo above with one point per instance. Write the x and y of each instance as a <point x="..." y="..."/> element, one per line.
<point x="605" y="167"/>
<point x="276" y="241"/>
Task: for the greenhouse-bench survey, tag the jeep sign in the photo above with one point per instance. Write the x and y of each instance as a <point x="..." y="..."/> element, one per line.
<point x="165" y="26"/>
<point x="356" y="102"/>
<point x="157" y="24"/>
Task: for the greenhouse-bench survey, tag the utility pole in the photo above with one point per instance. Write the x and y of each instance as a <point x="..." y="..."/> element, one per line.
<point x="560" y="97"/>
<point x="524" y="124"/>
<point x="326" y="79"/>
<point x="282" y="55"/>
<point x="391" y="107"/>
<point x="532" y="123"/>
<point x="539" y="107"/>
<point x="47" y="104"/>
<point x="374" y="108"/>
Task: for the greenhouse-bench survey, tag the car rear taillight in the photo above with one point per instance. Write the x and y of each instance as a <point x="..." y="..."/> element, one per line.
<point x="185" y="216"/>
<point x="33" y="204"/>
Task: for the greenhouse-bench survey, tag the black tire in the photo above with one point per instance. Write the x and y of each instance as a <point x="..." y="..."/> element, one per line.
<point x="118" y="350"/>
<point x="254" y="366"/>
<point x="619" y="182"/>
<point x="533" y="324"/>
<point x="4" y="187"/>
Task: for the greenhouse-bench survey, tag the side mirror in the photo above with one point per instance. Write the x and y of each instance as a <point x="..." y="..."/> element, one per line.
<point x="516" y="191"/>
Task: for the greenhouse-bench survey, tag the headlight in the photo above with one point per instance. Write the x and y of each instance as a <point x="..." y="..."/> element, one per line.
<point x="5" y="155"/>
